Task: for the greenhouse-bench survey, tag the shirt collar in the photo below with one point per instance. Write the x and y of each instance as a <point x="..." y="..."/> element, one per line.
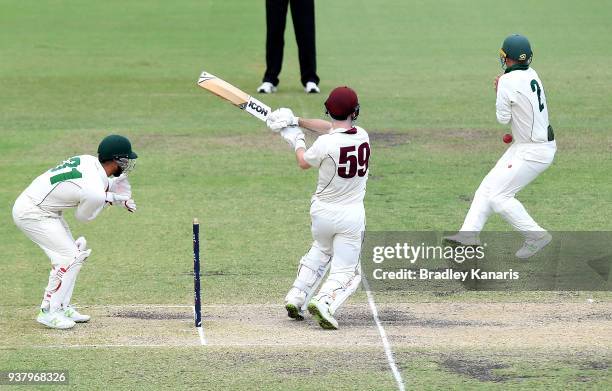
<point x="352" y="130"/>
<point x="517" y="67"/>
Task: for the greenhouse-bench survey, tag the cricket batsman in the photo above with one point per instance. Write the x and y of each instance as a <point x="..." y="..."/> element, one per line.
<point x="86" y="183"/>
<point x="341" y="153"/>
<point x="521" y="102"/>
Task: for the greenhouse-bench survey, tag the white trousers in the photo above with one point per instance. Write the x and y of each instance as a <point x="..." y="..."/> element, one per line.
<point x="51" y="233"/>
<point x="520" y="165"/>
<point x="337" y="231"/>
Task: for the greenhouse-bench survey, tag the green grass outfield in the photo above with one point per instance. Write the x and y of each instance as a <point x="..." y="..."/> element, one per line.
<point x="72" y="72"/>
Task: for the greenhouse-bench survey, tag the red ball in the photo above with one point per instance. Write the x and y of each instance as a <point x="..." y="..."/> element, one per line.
<point x="507" y="138"/>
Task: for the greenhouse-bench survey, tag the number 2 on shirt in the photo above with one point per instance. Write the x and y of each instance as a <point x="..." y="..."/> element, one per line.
<point x="535" y="87"/>
<point x="64" y="176"/>
<point x="354" y="161"/>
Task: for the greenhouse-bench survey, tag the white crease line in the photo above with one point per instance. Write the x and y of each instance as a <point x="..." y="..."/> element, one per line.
<point x="218" y="345"/>
<point x="263" y="305"/>
<point x="134" y="305"/>
<point x="363" y="346"/>
<point x="101" y="345"/>
<point x="383" y="335"/>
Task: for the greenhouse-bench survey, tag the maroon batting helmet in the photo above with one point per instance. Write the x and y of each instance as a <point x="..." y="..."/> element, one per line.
<point x="342" y="103"/>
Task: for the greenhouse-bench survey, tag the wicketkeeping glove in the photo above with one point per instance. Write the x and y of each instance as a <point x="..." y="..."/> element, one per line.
<point x="120" y="185"/>
<point x="294" y="137"/>
<point x="121" y="200"/>
<point x="130" y="205"/>
<point x="281" y="118"/>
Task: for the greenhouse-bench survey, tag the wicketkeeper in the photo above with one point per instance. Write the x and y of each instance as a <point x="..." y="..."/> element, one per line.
<point x="86" y="183"/>
<point x="341" y="154"/>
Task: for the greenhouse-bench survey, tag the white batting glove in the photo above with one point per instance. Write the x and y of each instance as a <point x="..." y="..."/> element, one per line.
<point x="281" y="118"/>
<point x="121" y="200"/>
<point x="294" y="137"/>
<point x="120" y="185"/>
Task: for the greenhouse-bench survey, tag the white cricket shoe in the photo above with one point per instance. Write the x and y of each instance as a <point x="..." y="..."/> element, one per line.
<point x="312" y="88"/>
<point x="71" y="313"/>
<point x="266" y="88"/>
<point x="532" y="246"/>
<point x="54" y="320"/>
<point x="319" y="309"/>
<point x="294" y="302"/>
<point x="462" y="239"/>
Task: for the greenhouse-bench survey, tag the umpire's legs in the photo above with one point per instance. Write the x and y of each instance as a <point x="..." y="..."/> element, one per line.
<point x="303" y="15"/>
<point x="276" y="19"/>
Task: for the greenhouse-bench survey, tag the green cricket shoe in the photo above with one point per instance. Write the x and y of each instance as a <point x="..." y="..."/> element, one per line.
<point x="461" y="239"/>
<point x="320" y="311"/>
<point x="294" y="312"/>
<point x="532" y="246"/>
<point x="54" y="320"/>
<point x="294" y="301"/>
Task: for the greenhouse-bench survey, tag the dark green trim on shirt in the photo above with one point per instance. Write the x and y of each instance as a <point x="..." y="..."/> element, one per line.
<point x="520" y="67"/>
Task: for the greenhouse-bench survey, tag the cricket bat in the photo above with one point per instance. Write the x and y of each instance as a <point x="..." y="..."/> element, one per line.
<point x="235" y="95"/>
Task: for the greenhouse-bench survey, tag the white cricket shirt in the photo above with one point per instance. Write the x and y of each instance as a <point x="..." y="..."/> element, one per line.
<point x="522" y="103"/>
<point x="79" y="182"/>
<point x="342" y="157"/>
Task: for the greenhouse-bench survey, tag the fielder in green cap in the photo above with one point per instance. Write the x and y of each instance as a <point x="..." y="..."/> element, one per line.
<point x="520" y="103"/>
<point x="86" y="183"/>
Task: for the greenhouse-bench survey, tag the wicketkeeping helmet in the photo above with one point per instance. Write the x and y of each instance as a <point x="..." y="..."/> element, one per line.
<point x="341" y="103"/>
<point x="517" y="48"/>
<point x="119" y="149"/>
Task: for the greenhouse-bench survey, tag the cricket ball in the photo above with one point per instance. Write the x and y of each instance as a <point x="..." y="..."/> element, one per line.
<point x="507" y="138"/>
